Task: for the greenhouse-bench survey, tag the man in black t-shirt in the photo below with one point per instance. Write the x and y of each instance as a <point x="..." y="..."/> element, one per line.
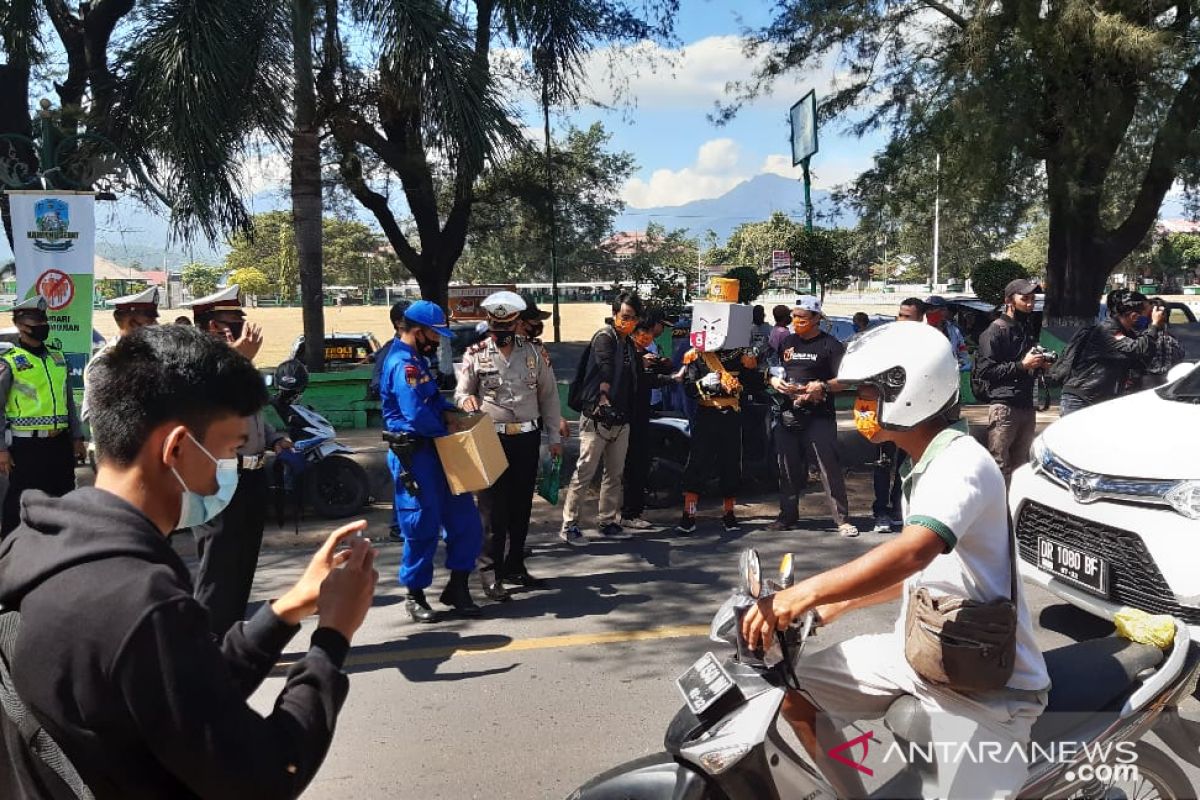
<point x="804" y="425"/>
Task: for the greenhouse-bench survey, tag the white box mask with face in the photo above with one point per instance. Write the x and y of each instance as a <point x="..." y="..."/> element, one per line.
<point x="721" y="326"/>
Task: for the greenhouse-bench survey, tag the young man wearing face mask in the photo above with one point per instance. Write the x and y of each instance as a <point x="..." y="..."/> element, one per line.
<point x="611" y="382"/>
<point x="37" y="408"/>
<point x="506" y="377"/>
<point x="228" y="544"/>
<point x="114" y="656"/>
<point x="1112" y="349"/>
<point x="804" y="423"/>
<point x="956" y="543"/>
<point x="1005" y="364"/>
<point x="413" y="405"/>
<point x="654" y="374"/>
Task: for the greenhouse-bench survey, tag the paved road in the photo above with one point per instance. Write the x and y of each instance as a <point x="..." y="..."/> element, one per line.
<point x="558" y="685"/>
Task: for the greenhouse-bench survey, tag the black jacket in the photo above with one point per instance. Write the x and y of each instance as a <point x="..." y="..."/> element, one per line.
<point x="116" y="660"/>
<point x="998" y="362"/>
<point x="613" y="354"/>
<point x="1106" y="357"/>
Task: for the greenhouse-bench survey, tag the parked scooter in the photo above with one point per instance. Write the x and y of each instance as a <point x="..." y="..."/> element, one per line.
<point x="318" y="470"/>
<point x="725" y="743"/>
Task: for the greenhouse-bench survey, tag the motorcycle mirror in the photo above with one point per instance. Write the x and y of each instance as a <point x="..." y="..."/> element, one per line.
<point x="750" y="570"/>
<point x="787" y="570"/>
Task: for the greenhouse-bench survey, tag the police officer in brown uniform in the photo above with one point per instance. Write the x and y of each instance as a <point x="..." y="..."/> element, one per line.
<point x="508" y="378"/>
<point x="228" y="544"/>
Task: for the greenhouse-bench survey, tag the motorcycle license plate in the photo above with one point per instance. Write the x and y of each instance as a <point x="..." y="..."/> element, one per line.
<point x="704" y="683"/>
<point x="1074" y="565"/>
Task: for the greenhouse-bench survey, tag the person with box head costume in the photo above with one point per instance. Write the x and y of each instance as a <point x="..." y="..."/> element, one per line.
<point x="429" y="510"/>
<point x="507" y="377"/>
<point x="713" y="369"/>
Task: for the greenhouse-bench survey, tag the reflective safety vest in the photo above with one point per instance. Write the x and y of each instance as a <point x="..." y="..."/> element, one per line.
<point x="38" y="398"/>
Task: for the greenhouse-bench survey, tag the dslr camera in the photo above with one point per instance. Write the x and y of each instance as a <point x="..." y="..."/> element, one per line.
<point x="1049" y="356"/>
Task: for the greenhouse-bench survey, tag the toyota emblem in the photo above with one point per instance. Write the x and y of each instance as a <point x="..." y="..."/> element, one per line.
<point x="1083" y="487"/>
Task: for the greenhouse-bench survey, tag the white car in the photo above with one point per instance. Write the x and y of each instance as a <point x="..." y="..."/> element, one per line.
<point x="1107" y="513"/>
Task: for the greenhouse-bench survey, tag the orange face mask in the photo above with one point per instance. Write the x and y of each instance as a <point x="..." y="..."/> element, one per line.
<point x="624" y="326"/>
<point x="643" y="339"/>
<point x="866" y="417"/>
<point x="801" y="325"/>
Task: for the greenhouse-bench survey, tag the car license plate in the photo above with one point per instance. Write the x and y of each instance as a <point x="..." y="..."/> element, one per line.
<point x="1074" y="565"/>
<point x="704" y="683"/>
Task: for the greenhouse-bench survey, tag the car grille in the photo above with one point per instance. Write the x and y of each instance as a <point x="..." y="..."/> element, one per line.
<point x="1134" y="577"/>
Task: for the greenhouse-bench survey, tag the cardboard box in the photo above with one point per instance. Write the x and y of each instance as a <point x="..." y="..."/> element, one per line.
<point x="472" y="458"/>
<point x="721" y="326"/>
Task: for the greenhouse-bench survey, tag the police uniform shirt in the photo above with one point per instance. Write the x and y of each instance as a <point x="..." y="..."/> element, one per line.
<point x="74" y="428"/>
<point x="260" y="435"/>
<point x="520" y="388"/>
<point x="815" y="359"/>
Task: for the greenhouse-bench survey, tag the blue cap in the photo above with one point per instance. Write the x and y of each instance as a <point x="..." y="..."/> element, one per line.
<point x="430" y="314"/>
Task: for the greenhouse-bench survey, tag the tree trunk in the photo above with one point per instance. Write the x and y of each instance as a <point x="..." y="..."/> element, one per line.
<point x="14" y="118"/>
<point x="1077" y="262"/>
<point x="306" y="188"/>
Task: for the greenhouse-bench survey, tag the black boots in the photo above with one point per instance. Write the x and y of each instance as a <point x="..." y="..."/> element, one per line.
<point x="493" y="587"/>
<point x="418" y="607"/>
<point x="458" y="596"/>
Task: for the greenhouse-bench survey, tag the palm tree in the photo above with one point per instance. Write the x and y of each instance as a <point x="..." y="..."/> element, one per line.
<point x="429" y="111"/>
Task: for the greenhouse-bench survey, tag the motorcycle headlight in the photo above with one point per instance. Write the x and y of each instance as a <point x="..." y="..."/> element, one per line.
<point x="1185" y="499"/>
<point x="719" y="759"/>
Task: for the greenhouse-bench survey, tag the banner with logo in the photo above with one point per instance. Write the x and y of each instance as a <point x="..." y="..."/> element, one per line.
<point x="54" y="241"/>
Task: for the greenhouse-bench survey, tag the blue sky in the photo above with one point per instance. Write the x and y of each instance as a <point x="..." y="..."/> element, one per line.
<point x="681" y="155"/>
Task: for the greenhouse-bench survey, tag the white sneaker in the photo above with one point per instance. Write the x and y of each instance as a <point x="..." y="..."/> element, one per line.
<point x="637" y="523"/>
<point x="572" y="535"/>
<point x="847" y="531"/>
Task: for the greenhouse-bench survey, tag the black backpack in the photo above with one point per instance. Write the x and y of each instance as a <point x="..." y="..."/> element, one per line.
<point x="1058" y="374"/>
<point x="583" y="390"/>
<point x="32" y="755"/>
<point x="979" y="387"/>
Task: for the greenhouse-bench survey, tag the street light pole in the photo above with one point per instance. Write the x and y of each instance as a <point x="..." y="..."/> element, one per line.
<point x="937" y="214"/>
<point x="553" y="211"/>
<point x="808" y="217"/>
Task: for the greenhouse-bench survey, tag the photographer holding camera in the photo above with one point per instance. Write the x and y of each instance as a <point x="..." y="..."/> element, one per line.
<point x="1006" y="365"/>
<point x="1107" y="355"/>
<point x="609" y="386"/>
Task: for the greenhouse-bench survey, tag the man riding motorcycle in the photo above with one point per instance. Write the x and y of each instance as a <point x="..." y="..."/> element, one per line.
<point x="956" y="544"/>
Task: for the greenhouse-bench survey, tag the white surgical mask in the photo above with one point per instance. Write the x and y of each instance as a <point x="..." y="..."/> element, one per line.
<point x="197" y="509"/>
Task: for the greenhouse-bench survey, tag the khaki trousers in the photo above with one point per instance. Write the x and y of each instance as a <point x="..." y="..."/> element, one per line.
<point x="598" y="443"/>
<point x="1010" y="433"/>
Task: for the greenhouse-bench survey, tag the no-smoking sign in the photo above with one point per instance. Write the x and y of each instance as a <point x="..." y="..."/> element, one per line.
<point x="57" y="288"/>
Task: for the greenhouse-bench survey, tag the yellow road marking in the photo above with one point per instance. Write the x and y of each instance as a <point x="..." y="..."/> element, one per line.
<point x="469" y="647"/>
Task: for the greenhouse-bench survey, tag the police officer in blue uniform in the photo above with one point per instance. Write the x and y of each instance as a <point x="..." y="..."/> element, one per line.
<point x="412" y="404"/>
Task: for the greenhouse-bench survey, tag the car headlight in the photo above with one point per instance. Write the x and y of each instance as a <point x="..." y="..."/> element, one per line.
<point x="1185" y="498"/>
<point x="1037" y="453"/>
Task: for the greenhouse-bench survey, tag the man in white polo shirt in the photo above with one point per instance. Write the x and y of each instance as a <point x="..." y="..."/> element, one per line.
<point x="956" y="540"/>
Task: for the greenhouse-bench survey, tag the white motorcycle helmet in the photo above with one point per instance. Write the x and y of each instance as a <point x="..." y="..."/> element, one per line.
<point x="912" y="366"/>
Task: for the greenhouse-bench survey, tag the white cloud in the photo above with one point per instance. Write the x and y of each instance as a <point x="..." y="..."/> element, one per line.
<point x="715" y="171"/>
<point x="265" y="169"/>
<point x="826" y="172"/>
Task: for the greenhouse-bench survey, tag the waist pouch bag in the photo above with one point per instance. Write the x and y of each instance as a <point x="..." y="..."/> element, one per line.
<point x="960" y="643"/>
<point x="795" y="417"/>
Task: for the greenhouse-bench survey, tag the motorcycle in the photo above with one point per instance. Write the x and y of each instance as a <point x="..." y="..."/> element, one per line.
<point x="318" y="469"/>
<point x="725" y="742"/>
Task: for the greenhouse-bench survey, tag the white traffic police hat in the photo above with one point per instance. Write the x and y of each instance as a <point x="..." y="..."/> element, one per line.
<point x="503" y="306"/>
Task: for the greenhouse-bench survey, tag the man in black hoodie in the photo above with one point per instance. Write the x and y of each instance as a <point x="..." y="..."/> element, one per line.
<point x="114" y="656"/>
